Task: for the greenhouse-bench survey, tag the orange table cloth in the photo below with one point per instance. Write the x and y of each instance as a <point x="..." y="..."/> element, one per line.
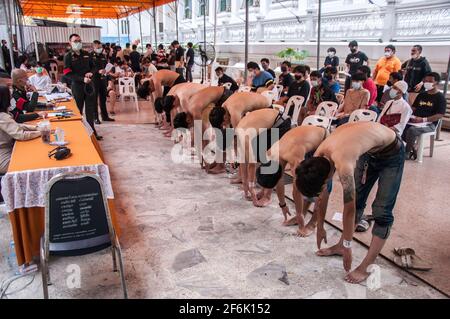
<point x="32" y="157"/>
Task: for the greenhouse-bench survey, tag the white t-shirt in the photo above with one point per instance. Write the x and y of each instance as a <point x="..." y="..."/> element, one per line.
<point x="41" y="83"/>
<point x="398" y="106"/>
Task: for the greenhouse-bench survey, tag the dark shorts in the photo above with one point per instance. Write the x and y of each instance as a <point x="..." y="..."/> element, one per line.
<point x="226" y="94"/>
<point x="180" y="79"/>
<point x="264" y="141"/>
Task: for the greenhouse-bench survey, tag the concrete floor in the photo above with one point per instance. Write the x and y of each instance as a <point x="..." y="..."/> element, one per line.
<point x="186" y="234"/>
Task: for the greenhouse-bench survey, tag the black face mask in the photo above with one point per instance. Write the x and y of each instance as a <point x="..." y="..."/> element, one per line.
<point x="298" y="77"/>
<point x="389" y="83"/>
<point x="283" y="69"/>
<point x="353" y="50"/>
<point x="329" y="77"/>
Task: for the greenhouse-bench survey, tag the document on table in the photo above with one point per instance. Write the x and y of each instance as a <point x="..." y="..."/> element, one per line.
<point x="57" y="96"/>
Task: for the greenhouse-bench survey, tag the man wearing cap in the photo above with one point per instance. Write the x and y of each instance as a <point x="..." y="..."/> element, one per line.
<point x="396" y="112"/>
<point x="353" y="61"/>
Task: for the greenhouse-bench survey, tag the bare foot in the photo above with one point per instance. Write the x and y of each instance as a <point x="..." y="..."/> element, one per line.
<point x="260" y="194"/>
<point x="237" y="180"/>
<point x="356" y="276"/>
<point x="168" y="134"/>
<point x="306" y="231"/>
<point x="336" y="250"/>
<point x="290" y="222"/>
<point x="217" y="170"/>
<point x="263" y="202"/>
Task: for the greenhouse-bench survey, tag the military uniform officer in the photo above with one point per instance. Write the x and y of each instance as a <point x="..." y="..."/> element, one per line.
<point x="78" y="66"/>
<point x="100" y="81"/>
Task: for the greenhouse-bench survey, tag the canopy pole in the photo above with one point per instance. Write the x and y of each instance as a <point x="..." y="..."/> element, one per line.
<point x="176" y="18"/>
<point x="215" y="22"/>
<point x="150" y="26"/>
<point x="154" y="24"/>
<point x="319" y="17"/>
<point x="128" y="29"/>
<point x="36" y="46"/>
<point x="140" y="30"/>
<point x="8" y="22"/>
<point x="118" y="30"/>
<point x="246" y="41"/>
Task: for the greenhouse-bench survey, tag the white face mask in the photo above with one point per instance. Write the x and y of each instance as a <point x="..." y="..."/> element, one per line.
<point x="331" y="54"/>
<point x="428" y="86"/>
<point x="387" y="54"/>
<point x="315" y="83"/>
<point x="356" y="85"/>
<point x="98" y="51"/>
<point x="393" y="93"/>
<point x="76" y="46"/>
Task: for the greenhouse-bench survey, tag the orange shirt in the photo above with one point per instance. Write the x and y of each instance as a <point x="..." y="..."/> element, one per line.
<point x="385" y="67"/>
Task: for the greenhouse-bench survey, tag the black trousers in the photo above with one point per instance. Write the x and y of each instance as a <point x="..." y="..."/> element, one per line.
<point x="82" y="99"/>
<point x="189" y="72"/>
<point x="101" y="91"/>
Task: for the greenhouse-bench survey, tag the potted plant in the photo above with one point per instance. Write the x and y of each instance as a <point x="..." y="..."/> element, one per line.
<point x="293" y="55"/>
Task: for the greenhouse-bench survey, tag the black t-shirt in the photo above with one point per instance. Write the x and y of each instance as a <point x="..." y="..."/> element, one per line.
<point x="179" y="53"/>
<point x="135" y="59"/>
<point x="299" y="88"/>
<point x="227" y="79"/>
<point x="415" y="72"/>
<point x="355" y="60"/>
<point x="426" y="105"/>
<point x="272" y="73"/>
<point x="190" y="55"/>
<point x="286" y="80"/>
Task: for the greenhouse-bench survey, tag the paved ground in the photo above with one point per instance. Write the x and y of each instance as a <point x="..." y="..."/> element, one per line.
<point x="190" y="235"/>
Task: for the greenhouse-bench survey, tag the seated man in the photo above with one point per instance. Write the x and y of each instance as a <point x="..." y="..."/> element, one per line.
<point x="256" y="133"/>
<point x="397" y="111"/>
<point x="429" y="107"/>
<point x="370" y="86"/>
<point x="260" y="80"/>
<point x="292" y="148"/>
<point x="223" y="78"/>
<point x="361" y="153"/>
<point x="40" y="81"/>
<point x="319" y="93"/>
<point x="330" y="78"/>
<point x="20" y="103"/>
<point x="355" y="98"/>
<point x="232" y="111"/>
<point x="178" y="97"/>
<point x="393" y="78"/>
<point x="285" y="78"/>
<point x="299" y="87"/>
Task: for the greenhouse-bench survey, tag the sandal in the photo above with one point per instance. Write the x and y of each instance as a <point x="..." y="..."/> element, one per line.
<point x="363" y="226"/>
<point x="412" y="262"/>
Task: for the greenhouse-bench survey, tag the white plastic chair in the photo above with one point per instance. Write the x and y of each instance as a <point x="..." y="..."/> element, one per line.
<point x="317" y="120"/>
<point x="53" y="72"/>
<point x="361" y="115"/>
<point x="269" y="95"/>
<point x="280" y="89"/>
<point x="327" y="109"/>
<point x="245" y="89"/>
<point x="421" y="143"/>
<point x="296" y="101"/>
<point x="127" y="88"/>
<point x="227" y="85"/>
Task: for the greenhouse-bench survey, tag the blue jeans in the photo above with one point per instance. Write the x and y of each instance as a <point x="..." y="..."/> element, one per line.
<point x="388" y="172"/>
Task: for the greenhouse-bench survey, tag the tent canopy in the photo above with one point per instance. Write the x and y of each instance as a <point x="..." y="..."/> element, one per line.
<point x="97" y="9"/>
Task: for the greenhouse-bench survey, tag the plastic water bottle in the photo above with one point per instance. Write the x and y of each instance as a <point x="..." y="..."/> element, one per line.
<point x="12" y="258"/>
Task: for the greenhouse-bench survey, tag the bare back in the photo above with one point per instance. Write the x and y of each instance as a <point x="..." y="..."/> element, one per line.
<point x="165" y="77"/>
<point x="349" y="141"/>
<point x="201" y="99"/>
<point x="184" y="91"/>
<point x="242" y="102"/>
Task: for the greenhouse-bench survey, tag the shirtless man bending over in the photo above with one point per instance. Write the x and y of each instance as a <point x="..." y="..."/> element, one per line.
<point x="361" y="153"/>
<point x="256" y="133"/>
<point x="292" y="148"/>
<point x="199" y="107"/>
<point x="232" y="111"/>
<point x="178" y="97"/>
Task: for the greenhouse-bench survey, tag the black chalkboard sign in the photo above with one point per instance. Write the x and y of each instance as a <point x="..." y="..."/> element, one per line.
<point x="77" y="217"/>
